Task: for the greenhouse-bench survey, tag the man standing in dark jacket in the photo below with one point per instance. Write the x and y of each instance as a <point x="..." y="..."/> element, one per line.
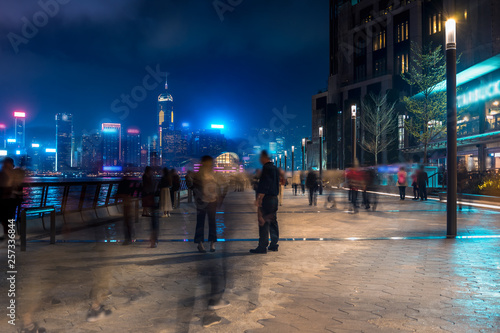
<point x="267" y="203"/>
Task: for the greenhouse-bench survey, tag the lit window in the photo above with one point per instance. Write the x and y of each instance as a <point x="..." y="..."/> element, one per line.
<point x="402" y="32"/>
<point x="379" y="41"/>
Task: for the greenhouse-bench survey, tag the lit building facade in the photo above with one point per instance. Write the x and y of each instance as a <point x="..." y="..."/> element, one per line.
<point x="370" y="48"/>
<point x="165" y="117"/>
<point x="64" y="142"/>
<point x="208" y="142"/>
<point x="132" y="149"/>
<point x="20" y="128"/>
<point x="111" y="147"/>
<point x="91" y="156"/>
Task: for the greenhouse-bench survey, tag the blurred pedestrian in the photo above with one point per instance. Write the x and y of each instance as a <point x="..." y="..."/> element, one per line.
<point x="166" y="193"/>
<point x="402" y="183"/>
<point x="124" y="193"/>
<point x="267" y="203"/>
<point x="303" y="177"/>
<point x="205" y="193"/>
<point x="414" y="184"/>
<point x="174" y="189"/>
<point x="8" y="202"/>
<point x="282" y="185"/>
<point x="422" y="179"/>
<point x="312" y="186"/>
<point x="148" y="191"/>
<point x="295" y="182"/>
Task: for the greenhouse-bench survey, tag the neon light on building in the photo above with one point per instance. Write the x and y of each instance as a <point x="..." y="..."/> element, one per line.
<point x="112" y="168"/>
<point x="3" y="152"/>
<point x="19" y="114"/>
<point x="132" y="131"/>
<point x="11" y="140"/>
<point x="481" y="93"/>
<point x="50" y="150"/>
<point x="35" y="145"/>
<point x="217" y="126"/>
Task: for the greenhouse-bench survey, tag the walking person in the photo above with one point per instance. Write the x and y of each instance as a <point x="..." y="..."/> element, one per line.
<point x="165" y="193"/>
<point x="205" y="193"/>
<point x="282" y="185"/>
<point x="312" y="186"/>
<point x="148" y="203"/>
<point x="414" y="184"/>
<point x="303" y="181"/>
<point x="174" y="189"/>
<point x="295" y="182"/>
<point x="124" y="193"/>
<point x="422" y="179"/>
<point x="267" y="203"/>
<point x="8" y="202"/>
<point x="402" y="183"/>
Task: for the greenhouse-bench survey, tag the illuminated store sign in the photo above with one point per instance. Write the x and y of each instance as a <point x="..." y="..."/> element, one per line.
<point x="482" y="93"/>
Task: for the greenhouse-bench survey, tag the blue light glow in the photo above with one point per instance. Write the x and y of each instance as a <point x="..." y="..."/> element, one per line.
<point x="18" y="152"/>
<point x="50" y="150"/>
<point x="109" y="168"/>
<point x="110" y="130"/>
<point x="218" y="126"/>
<point x="11" y="140"/>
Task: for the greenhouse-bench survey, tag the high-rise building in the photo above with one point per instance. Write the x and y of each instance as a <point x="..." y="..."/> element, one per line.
<point x="165" y="115"/>
<point x="64" y="142"/>
<point x="111" y="146"/>
<point x="3" y="143"/>
<point x="92" y="152"/>
<point x="208" y="142"/>
<point x="20" y="128"/>
<point x="370" y="51"/>
<point x="132" y="149"/>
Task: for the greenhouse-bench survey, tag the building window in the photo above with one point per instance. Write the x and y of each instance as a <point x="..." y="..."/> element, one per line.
<point x="402" y="63"/>
<point x="402" y="32"/>
<point x="401" y="131"/>
<point x="379" y="41"/>
<point x="379" y="67"/>
<point x="360" y="72"/>
<point x="435" y="24"/>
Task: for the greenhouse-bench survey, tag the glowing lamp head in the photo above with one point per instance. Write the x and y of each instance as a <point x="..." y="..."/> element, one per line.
<point x="321" y="131"/>
<point x="35" y="145"/>
<point x="353" y="111"/>
<point x="50" y="150"/>
<point x="19" y="114"/>
<point x="303" y="142"/>
<point x="217" y="126"/>
<point x="293" y="149"/>
<point x="451" y="34"/>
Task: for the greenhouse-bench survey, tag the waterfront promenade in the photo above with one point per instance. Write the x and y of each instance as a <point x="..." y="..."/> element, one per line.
<point x="385" y="271"/>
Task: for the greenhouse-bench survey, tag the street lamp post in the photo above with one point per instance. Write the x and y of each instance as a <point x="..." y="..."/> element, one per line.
<point x="293" y="162"/>
<point x="353" y="124"/>
<point x="285" y="159"/>
<point x="280" y="159"/>
<point x="303" y="153"/>
<point x="321" y="160"/>
<point x="451" y="126"/>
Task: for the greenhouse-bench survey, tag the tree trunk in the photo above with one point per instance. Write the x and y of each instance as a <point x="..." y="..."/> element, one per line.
<point x="425" y="154"/>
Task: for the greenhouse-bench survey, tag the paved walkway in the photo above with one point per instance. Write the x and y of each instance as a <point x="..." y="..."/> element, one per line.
<point x="383" y="271"/>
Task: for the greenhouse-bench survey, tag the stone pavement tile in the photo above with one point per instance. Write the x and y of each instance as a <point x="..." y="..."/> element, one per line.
<point x="272" y="325"/>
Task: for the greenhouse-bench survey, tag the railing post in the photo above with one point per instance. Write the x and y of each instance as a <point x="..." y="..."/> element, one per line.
<point x="23" y="230"/>
<point x="82" y="197"/>
<point x="53" y="226"/>
<point x="108" y="195"/>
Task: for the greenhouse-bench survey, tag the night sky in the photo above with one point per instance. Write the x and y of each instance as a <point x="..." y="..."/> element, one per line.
<point x="262" y="55"/>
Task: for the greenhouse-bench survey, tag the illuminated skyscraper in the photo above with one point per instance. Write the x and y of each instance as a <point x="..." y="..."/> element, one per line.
<point x="111" y="146"/>
<point x="92" y="152"/>
<point x="2" y="136"/>
<point x="64" y="141"/>
<point x="20" y="128"/>
<point x="132" y="149"/>
<point x="165" y="115"/>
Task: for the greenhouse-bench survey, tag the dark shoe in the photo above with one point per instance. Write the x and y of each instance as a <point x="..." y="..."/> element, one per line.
<point x="154" y="244"/>
<point x="259" y="251"/>
<point x="273" y="248"/>
<point x="212" y="247"/>
<point x="95" y="315"/>
<point x="201" y="248"/>
<point x="212" y="305"/>
<point x="211" y="319"/>
<point x="33" y="328"/>
<point x="127" y="242"/>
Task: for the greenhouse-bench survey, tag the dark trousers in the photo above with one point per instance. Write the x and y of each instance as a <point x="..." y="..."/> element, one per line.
<point x="206" y="209"/>
<point x="7" y="212"/>
<point x="172" y="197"/>
<point x="312" y="195"/>
<point x="155" y="225"/>
<point x="270" y="228"/>
<point x="402" y="192"/>
<point x="422" y="191"/>
<point x="303" y="187"/>
<point x="415" y="192"/>
<point x="295" y="188"/>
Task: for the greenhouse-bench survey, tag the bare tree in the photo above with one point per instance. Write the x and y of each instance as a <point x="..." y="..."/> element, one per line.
<point x="379" y="122"/>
